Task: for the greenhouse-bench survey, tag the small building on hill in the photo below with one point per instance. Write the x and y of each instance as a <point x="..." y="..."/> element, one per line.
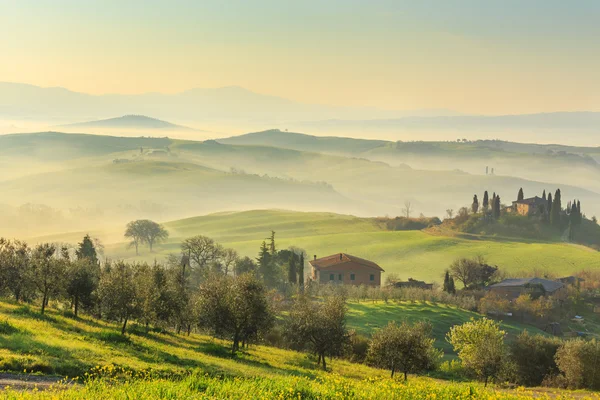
<point x="531" y="206"/>
<point x="345" y="269"/>
<point x="413" y="283"/>
<point x="513" y="288"/>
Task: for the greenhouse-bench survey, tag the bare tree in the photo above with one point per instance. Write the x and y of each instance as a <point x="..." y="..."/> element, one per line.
<point x="407" y="209"/>
<point x="229" y="258"/>
<point x="450" y="213"/>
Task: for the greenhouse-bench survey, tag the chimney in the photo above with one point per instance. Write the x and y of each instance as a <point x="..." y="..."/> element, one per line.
<point x="315" y="257"/>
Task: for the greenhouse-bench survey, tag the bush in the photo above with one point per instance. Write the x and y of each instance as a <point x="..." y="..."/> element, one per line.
<point x="453" y="370"/>
<point x="534" y="358"/>
<point x="411" y="224"/>
<point x="274" y="337"/>
<point x="358" y="346"/>
<point x="579" y="361"/>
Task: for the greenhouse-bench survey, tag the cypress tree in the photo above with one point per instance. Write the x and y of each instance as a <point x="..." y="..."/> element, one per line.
<point x="556" y="209"/>
<point x="446" y="281"/>
<point x="496" y="208"/>
<point x="520" y="195"/>
<point x="544" y="195"/>
<point x="475" y="205"/>
<point x="486" y="200"/>
<point x="449" y="283"/>
<point x="301" y="271"/>
<point x="549" y="207"/>
<point x="292" y="274"/>
<point x="87" y="250"/>
<point x="272" y="248"/>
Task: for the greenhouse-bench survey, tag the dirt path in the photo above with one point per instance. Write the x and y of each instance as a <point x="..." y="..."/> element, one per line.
<point x="29" y="382"/>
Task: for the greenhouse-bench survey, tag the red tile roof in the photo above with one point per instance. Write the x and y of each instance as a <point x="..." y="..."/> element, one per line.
<point x="342" y="258"/>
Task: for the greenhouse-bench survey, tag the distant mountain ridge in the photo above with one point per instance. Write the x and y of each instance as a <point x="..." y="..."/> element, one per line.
<point x="128" y="122"/>
<point x="230" y="103"/>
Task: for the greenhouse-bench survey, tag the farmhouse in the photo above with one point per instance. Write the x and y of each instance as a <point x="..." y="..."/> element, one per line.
<point x="345" y="269"/>
<point x="513" y="288"/>
<point x="413" y="283"/>
<point x="531" y="206"/>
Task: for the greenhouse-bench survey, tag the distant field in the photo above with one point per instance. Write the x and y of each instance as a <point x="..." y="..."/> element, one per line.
<point x="413" y="254"/>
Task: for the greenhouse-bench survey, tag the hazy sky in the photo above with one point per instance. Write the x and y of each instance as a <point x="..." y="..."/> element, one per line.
<point x="476" y="56"/>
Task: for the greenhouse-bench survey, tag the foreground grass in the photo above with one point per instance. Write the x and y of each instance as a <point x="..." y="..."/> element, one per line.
<point x="150" y="365"/>
<point x="331" y="386"/>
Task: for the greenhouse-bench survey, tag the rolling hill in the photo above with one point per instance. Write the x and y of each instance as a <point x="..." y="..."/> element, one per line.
<point x="169" y="179"/>
<point x="415" y="254"/>
<point x="553" y="164"/>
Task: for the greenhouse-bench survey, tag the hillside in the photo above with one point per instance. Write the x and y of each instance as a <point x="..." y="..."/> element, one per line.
<point x="137" y="122"/>
<point x="161" y="187"/>
<point x="57" y="146"/>
<point x="556" y="164"/>
<point x="303" y="142"/>
<point x="383" y="184"/>
<point x="415" y="254"/>
<point x="147" y="364"/>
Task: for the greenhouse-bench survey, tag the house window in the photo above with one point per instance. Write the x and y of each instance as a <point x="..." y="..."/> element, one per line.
<point x="340" y="277"/>
<point x="372" y="277"/>
<point x="331" y="277"/>
<point x="352" y="277"/>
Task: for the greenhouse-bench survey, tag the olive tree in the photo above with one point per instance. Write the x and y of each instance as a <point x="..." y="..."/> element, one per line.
<point x="579" y="361"/>
<point x="15" y="269"/>
<point x="480" y="346"/>
<point x="405" y="348"/>
<point x="47" y="272"/>
<point x="234" y="308"/>
<point x="119" y="293"/>
<point x="318" y="326"/>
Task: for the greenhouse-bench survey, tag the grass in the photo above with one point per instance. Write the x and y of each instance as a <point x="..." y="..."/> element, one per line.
<point x="169" y="366"/>
<point x="415" y="254"/>
<point x="367" y="316"/>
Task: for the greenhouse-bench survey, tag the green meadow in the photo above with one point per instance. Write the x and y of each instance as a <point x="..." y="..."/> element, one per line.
<point x="366" y="317"/>
<point x="415" y="254"/>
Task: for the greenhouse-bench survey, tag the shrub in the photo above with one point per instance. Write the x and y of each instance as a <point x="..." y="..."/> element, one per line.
<point x="534" y="358"/>
<point x="579" y="361"/>
<point x="274" y="337"/>
<point x="453" y="370"/>
<point x="357" y="348"/>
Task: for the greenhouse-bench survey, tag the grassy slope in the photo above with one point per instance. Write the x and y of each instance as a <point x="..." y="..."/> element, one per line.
<point x="367" y="316"/>
<point x="409" y="253"/>
<point x="67" y="346"/>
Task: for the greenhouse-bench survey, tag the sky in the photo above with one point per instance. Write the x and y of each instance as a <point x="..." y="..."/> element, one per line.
<point x="470" y="56"/>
